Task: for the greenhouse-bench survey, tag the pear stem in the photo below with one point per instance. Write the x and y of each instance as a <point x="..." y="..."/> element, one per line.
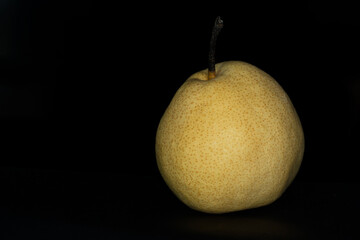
<point x="215" y="32"/>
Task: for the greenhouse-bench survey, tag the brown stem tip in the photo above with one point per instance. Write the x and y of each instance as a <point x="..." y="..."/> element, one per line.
<point x="215" y="32"/>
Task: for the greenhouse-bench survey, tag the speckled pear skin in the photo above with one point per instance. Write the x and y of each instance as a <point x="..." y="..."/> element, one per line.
<point x="230" y="143"/>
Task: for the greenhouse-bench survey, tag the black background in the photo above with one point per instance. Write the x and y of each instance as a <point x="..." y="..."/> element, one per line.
<point x="83" y="85"/>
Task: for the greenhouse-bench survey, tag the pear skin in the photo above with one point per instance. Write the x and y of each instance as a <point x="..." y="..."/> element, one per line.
<point x="230" y="143"/>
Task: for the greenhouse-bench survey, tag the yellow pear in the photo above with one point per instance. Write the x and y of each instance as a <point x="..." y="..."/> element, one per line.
<point x="229" y="142"/>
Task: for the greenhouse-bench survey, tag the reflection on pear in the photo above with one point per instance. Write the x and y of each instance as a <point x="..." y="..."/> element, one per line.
<point x="236" y="227"/>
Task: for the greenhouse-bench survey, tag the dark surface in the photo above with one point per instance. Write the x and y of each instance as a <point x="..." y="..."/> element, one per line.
<point x="39" y="204"/>
<point x="83" y="85"/>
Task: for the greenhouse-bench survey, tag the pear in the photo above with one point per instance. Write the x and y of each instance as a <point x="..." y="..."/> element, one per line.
<point x="229" y="142"/>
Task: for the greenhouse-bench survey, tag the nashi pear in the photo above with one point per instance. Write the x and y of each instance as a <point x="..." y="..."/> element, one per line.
<point x="230" y="143"/>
